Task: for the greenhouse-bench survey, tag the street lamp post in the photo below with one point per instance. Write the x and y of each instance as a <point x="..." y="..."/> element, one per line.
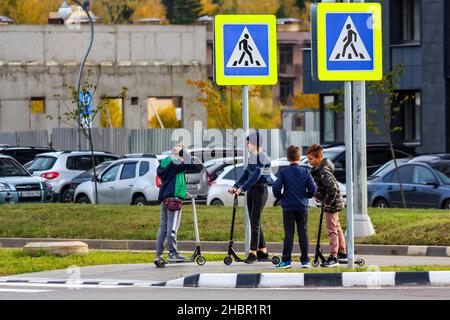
<point x="65" y="12"/>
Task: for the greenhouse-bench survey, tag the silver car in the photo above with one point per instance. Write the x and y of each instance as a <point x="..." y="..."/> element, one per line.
<point x="126" y="181"/>
<point x="18" y="186"/>
<point x="59" y="168"/>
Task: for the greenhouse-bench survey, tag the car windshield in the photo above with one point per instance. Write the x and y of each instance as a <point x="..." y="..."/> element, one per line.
<point x="443" y="170"/>
<point x="330" y="154"/>
<point x="99" y="170"/>
<point x="42" y="163"/>
<point x="9" y="168"/>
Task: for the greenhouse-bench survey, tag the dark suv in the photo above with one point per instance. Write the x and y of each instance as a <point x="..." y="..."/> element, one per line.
<point x="24" y="154"/>
<point x="377" y="155"/>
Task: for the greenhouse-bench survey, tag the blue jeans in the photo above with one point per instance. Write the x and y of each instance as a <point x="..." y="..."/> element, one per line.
<point x="168" y="227"/>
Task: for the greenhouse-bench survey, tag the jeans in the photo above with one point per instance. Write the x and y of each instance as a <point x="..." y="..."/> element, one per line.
<point x="337" y="239"/>
<point x="256" y="200"/>
<point x="290" y="219"/>
<point x="168" y="228"/>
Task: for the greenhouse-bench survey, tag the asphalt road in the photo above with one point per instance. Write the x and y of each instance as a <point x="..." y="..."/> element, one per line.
<point x="143" y="275"/>
<point x="58" y="292"/>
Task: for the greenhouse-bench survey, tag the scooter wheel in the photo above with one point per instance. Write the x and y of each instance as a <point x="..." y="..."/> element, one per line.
<point x="228" y="261"/>
<point x="160" y="264"/>
<point x="360" y="262"/>
<point x="276" y="260"/>
<point x="201" y="260"/>
<point x="315" y="263"/>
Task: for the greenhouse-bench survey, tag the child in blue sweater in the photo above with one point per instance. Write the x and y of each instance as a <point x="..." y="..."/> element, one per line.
<point x="294" y="187"/>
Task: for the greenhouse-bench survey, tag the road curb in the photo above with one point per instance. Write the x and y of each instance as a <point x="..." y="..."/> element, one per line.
<point x="221" y="246"/>
<point x="311" y="280"/>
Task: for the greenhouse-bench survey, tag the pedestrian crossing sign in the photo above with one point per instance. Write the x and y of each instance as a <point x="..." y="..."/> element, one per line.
<point x="245" y="50"/>
<point x="349" y="42"/>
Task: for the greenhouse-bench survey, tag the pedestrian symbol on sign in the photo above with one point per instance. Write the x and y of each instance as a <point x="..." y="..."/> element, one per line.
<point x="246" y="53"/>
<point x="349" y="46"/>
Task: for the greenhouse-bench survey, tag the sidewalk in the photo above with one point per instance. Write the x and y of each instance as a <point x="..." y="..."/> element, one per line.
<point x="221" y="246"/>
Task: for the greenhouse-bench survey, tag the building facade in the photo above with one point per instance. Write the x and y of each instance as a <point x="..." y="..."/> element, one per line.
<point x="416" y="35"/>
<point x="153" y="62"/>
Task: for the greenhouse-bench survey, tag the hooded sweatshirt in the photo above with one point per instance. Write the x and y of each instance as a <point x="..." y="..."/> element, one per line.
<point x="327" y="187"/>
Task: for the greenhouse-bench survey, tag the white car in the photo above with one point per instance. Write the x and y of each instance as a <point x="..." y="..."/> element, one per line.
<point x="218" y="192"/>
<point x="125" y="181"/>
<point x="59" y="168"/>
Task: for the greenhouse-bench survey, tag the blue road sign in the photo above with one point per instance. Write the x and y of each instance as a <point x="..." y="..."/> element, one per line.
<point x="246" y="49"/>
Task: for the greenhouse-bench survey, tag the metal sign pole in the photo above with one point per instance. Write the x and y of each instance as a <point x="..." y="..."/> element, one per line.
<point x="349" y="172"/>
<point x="246" y="127"/>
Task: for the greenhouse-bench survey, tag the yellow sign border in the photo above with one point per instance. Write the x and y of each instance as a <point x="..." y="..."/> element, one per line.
<point x="326" y="75"/>
<point x="220" y="78"/>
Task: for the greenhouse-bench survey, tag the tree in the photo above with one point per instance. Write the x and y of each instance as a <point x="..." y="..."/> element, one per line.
<point x="84" y="111"/>
<point x="300" y="4"/>
<point x="116" y="11"/>
<point x="151" y="9"/>
<point x="182" y="11"/>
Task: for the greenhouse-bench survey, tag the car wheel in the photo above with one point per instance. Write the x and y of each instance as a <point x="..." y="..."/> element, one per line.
<point x="83" y="200"/>
<point x="217" y="203"/>
<point x="446" y="205"/>
<point x="140" y="201"/>
<point x="65" y="196"/>
<point x="381" y="203"/>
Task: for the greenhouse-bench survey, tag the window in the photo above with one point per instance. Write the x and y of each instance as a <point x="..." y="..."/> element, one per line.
<point x="111" y="114"/>
<point x="298" y="122"/>
<point x="234" y="174"/>
<point x="79" y="163"/>
<point x="286" y="90"/>
<point x="286" y="56"/>
<point x="42" y="163"/>
<point x="405" y="175"/>
<point x="37" y="105"/>
<point x="128" y="171"/>
<point x="411" y="12"/>
<point x="134" y="101"/>
<point x="422" y="175"/>
<point x="111" y="174"/>
<point x="101" y="159"/>
<point x="408" y="117"/>
<point x="165" y="112"/>
<point x="144" y="167"/>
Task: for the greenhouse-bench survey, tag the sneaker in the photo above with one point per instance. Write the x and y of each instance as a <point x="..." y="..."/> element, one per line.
<point x="158" y="258"/>
<point x="262" y="256"/>
<point x="342" y="255"/>
<point x="176" y="258"/>
<point x="306" y="265"/>
<point x="284" y="265"/>
<point x="252" y="258"/>
<point x="330" y="263"/>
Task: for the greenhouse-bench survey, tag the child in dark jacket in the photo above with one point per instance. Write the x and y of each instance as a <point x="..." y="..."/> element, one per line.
<point x="294" y="187"/>
<point x="330" y="196"/>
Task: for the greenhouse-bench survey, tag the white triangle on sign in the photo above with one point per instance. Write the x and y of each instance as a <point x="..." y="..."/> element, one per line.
<point x="246" y="53"/>
<point x="349" y="46"/>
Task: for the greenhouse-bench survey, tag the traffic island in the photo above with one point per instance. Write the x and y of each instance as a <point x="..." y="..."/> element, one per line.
<point x="60" y="249"/>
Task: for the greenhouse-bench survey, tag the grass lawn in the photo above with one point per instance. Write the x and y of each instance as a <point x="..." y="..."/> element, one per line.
<point x="14" y="262"/>
<point x="393" y="226"/>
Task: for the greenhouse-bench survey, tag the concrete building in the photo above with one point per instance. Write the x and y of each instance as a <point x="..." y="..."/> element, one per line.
<point x="416" y="34"/>
<point x="153" y="62"/>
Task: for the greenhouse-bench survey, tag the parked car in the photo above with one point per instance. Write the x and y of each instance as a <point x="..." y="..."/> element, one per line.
<point x="23" y="154"/>
<point x="18" y="186"/>
<point x="426" y="184"/>
<point x="86" y="176"/>
<point x="207" y="154"/>
<point x="126" y="181"/>
<point x="59" y="168"/>
<point x="218" y="192"/>
<point x="388" y="166"/>
<point x="215" y="167"/>
<point x="377" y="155"/>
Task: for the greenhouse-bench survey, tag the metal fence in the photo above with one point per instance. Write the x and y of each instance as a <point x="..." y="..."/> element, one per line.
<point x="122" y="141"/>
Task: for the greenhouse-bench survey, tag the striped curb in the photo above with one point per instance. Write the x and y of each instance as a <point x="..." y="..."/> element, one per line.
<point x="221" y="246"/>
<point x="311" y="280"/>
